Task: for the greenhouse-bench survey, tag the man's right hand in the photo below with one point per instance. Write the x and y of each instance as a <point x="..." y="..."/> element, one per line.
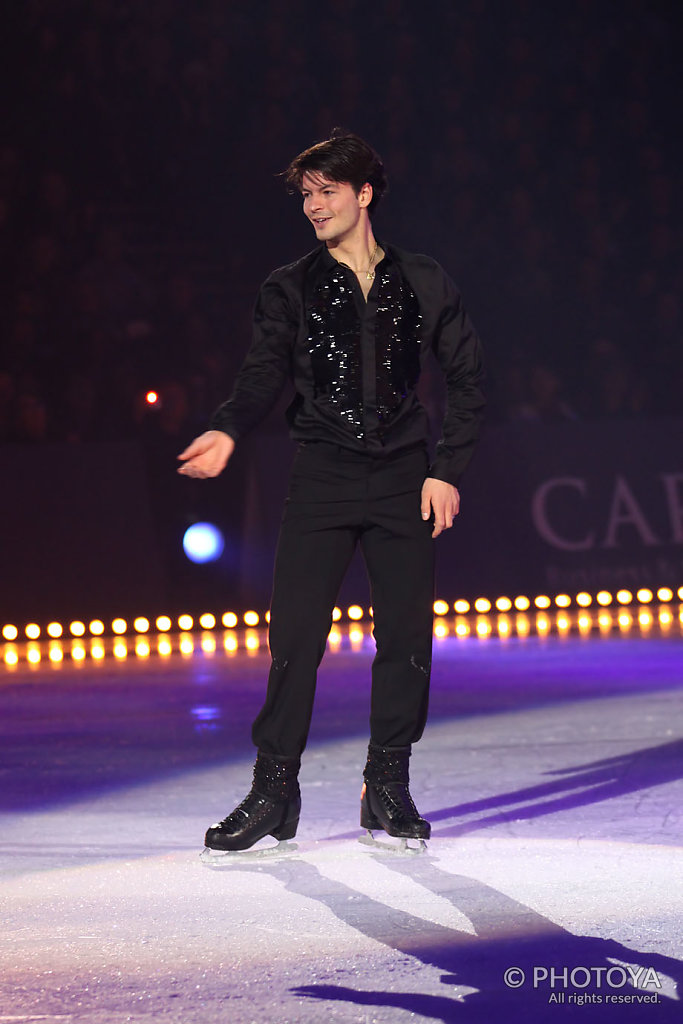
<point x="207" y="455"/>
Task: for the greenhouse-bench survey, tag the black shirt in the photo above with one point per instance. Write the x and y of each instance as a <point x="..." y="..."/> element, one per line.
<point x="355" y="364"/>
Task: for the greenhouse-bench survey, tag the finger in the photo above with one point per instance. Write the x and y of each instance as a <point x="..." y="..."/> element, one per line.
<point x="438" y="527"/>
<point x="192" y="469"/>
<point x="199" y="446"/>
<point x="192" y="450"/>
<point x="426" y="506"/>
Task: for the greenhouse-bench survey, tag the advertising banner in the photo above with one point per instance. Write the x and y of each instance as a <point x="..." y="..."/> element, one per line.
<point x="571" y="506"/>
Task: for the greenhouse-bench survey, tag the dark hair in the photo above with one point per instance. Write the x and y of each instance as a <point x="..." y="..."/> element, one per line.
<point x="343" y="157"/>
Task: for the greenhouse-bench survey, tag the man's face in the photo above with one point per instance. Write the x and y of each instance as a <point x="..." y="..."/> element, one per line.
<point x="333" y="207"/>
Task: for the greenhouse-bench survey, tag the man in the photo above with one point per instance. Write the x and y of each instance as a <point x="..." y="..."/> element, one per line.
<point x="350" y="324"/>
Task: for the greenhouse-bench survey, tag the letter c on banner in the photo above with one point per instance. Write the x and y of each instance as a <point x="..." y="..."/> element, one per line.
<point x="539" y="514"/>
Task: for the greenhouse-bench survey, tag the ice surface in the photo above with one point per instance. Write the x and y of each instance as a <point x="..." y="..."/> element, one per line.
<point x="556" y="816"/>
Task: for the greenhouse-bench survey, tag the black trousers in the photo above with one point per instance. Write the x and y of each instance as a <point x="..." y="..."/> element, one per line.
<point x="337" y="499"/>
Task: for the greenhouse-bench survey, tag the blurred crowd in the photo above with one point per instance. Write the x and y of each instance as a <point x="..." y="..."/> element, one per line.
<point x="531" y="147"/>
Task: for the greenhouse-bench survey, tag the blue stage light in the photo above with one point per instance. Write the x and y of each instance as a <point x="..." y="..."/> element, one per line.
<point x="203" y="542"/>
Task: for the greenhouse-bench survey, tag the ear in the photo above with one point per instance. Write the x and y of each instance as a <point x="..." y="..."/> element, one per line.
<point x="365" y="194"/>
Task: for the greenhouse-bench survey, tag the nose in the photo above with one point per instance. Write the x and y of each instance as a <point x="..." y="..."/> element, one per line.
<point x="314" y="203"/>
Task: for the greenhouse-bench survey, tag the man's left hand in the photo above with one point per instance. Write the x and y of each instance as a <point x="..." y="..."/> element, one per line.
<point x="442" y="499"/>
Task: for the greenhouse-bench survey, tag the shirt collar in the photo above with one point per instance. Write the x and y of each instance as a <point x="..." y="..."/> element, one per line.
<point x="329" y="262"/>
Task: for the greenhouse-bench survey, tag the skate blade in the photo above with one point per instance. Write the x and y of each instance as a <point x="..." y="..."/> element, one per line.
<point x="233" y="858"/>
<point x="394" y="845"/>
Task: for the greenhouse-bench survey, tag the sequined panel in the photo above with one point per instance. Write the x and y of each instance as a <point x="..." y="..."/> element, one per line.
<point x="334" y="344"/>
<point x="397" y="341"/>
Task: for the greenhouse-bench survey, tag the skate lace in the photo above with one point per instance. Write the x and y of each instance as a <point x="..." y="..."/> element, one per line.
<point x="396" y="798"/>
<point x="253" y="807"/>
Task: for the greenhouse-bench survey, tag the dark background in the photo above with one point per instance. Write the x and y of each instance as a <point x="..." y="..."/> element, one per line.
<point x="533" y="148"/>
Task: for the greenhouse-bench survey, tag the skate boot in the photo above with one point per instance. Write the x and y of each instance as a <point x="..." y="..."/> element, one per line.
<point x="271" y="808"/>
<point x="386" y="802"/>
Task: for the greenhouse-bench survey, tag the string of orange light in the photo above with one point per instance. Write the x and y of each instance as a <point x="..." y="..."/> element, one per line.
<point x="503" y="617"/>
<point x="355" y="613"/>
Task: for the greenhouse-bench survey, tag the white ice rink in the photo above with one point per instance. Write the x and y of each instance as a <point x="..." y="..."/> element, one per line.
<point x="556" y="851"/>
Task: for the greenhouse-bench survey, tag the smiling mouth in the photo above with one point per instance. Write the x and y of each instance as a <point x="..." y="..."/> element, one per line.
<point x="321" y="220"/>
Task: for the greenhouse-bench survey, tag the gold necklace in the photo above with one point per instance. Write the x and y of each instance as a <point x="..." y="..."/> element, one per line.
<point x="369" y="273"/>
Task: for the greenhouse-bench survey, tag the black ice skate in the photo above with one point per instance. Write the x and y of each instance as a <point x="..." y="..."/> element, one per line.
<point x="386" y="803"/>
<point x="271" y="808"/>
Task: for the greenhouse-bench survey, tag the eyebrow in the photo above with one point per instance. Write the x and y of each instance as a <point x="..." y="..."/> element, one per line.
<point x="324" y="185"/>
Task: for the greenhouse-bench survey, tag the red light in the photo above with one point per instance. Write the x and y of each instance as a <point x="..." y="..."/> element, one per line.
<point x="151" y="398"/>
